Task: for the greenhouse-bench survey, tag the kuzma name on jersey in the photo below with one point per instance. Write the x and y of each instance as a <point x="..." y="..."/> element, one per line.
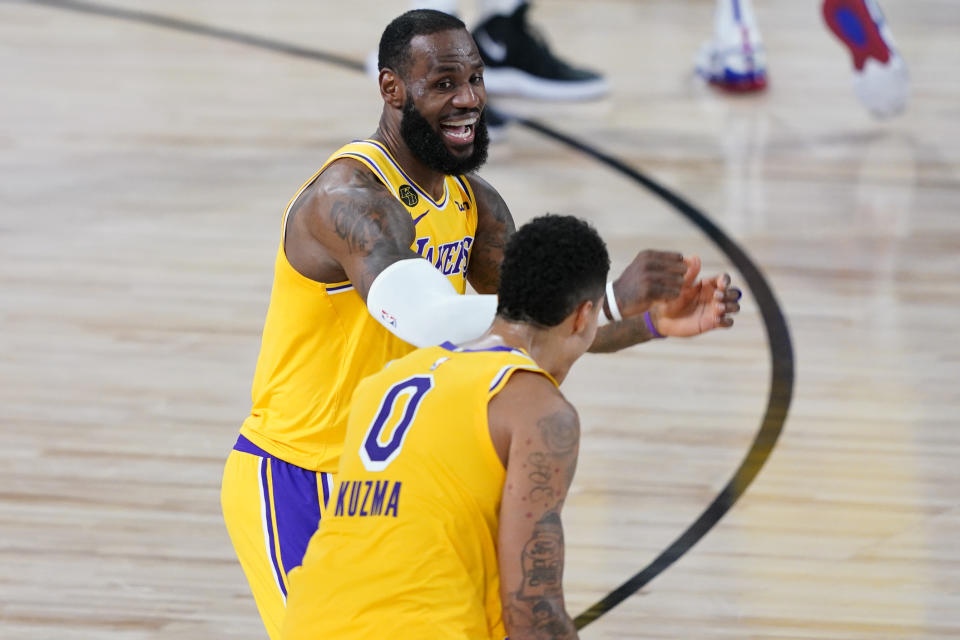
<point x="364" y="498"/>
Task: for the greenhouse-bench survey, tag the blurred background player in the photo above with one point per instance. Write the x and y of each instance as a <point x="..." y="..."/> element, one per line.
<point x="880" y="77"/>
<point x="734" y="58"/>
<point x="455" y="469"/>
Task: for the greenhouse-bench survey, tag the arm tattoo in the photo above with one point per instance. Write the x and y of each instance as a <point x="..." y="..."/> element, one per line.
<point x="543" y="560"/>
<point x="560" y="432"/>
<point x="493" y="231"/>
<point x="353" y="225"/>
<point x="537" y="607"/>
<point x="372" y="225"/>
<point x="620" y="335"/>
<point x="540" y="477"/>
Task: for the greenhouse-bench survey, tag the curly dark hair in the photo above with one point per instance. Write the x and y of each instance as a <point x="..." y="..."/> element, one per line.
<point x="552" y="264"/>
<point x="394" y="50"/>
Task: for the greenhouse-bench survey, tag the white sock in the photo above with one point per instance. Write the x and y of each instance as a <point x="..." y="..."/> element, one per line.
<point x="727" y="10"/>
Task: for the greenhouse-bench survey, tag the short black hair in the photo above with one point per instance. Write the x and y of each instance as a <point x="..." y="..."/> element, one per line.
<point x="395" y="42"/>
<point x="551" y="265"/>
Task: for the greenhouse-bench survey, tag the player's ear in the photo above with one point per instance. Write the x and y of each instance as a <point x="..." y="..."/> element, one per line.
<point x="391" y="88"/>
<point x="582" y="316"/>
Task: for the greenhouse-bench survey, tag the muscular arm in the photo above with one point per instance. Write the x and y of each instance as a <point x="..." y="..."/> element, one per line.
<point x="695" y="307"/>
<point x="544" y="437"/>
<point x="494" y="227"/>
<point x="348" y="226"/>
<point x="620" y="335"/>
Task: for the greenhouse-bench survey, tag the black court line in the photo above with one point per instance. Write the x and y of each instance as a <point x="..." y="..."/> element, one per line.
<point x="781" y="377"/>
<point x="778" y="334"/>
<point x="197" y="28"/>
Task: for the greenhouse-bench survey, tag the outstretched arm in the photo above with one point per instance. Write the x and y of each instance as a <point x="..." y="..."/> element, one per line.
<point x="544" y="441"/>
<point x="696" y="307"/>
<point x="349" y="226"/>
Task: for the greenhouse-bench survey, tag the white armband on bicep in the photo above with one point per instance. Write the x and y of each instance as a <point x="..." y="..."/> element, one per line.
<point x="417" y="303"/>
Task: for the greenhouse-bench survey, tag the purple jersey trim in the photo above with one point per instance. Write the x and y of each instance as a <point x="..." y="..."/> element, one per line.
<point x="245" y="446"/>
<point x="294" y="503"/>
<point x="326" y="483"/>
<point x="339" y="288"/>
<point x="268" y="523"/>
<point x="463" y="183"/>
<point x="503" y="372"/>
<point x="386" y="154"/>
<point x="296" y="506"/>
<point x="449" y="346"/>
<point x="373" y="165"/>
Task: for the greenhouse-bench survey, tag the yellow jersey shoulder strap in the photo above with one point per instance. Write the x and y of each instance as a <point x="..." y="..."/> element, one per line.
<point x="510" y="361"/>
<point x="375" y="156"/>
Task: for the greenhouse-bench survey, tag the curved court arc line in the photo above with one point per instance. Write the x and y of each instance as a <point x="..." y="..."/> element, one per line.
<point x="781" y="376"/>
<point x="778" y="334"/>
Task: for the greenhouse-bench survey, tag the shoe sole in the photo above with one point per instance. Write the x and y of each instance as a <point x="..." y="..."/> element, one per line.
<point x="851" y="22"/>
<point x="752" y="79"/>
<point x="514" y="82"/>
<point x="749" y="82"/>
<point x="745" y="84"/>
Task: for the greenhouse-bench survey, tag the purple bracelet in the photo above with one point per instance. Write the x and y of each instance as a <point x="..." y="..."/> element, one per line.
<point x="653" y="329"/>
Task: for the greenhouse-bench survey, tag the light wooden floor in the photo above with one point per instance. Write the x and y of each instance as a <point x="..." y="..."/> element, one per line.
<point x="142" y="176"/>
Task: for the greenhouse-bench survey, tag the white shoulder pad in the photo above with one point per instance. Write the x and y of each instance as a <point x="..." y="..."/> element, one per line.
<point x="418" y="304"/>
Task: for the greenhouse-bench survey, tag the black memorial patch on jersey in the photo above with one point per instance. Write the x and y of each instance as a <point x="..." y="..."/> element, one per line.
<point x="408" y="195"/>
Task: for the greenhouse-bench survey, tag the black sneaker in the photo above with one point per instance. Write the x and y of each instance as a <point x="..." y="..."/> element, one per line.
<point x="519" y="62"/>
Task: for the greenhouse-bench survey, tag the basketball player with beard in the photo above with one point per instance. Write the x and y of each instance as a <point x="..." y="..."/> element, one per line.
<point x="375" y="251"/>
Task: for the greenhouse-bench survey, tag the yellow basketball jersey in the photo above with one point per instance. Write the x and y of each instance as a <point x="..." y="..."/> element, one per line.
<point x="407" y="546"/>
<point x="319" y="341"/>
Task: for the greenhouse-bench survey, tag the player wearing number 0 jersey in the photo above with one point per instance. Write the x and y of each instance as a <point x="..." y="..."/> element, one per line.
<point x="408" y="547"/>
<point x="444" y="521"/>
<point x="319" y="341"/>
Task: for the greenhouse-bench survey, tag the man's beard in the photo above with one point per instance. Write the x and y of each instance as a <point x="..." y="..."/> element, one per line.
<point x="429" y="148"/>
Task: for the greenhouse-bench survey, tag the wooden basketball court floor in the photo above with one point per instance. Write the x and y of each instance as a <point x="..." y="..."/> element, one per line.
<point x="143" y="170"/>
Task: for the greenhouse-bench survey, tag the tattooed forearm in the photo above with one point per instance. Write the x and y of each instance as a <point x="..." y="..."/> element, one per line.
<point x="494" y="227"/>
<point x="620" y="335"/>
<point x="543" y="560"/>
<point x="560" y="433"/>
<point x="483" y="272"/>
<point x="484" y="268"/>
<point x="541" y="474"/>
<point x="536" y="610"/>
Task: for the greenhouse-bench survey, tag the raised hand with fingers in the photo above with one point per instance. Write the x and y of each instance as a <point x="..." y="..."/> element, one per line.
<point x="652" y="276"/>
<point x="700" y="306"/>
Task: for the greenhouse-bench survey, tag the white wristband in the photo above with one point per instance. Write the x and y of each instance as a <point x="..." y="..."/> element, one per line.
<point x="612" y="303"/>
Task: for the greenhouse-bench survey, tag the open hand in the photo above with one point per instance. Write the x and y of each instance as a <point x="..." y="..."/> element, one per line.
<point x="700" y="306"/>
<point x="652" y="276"/>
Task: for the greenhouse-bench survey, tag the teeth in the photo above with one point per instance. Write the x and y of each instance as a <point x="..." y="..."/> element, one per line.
<point x="464" y="135"/>
<point x="466" y="122"/>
